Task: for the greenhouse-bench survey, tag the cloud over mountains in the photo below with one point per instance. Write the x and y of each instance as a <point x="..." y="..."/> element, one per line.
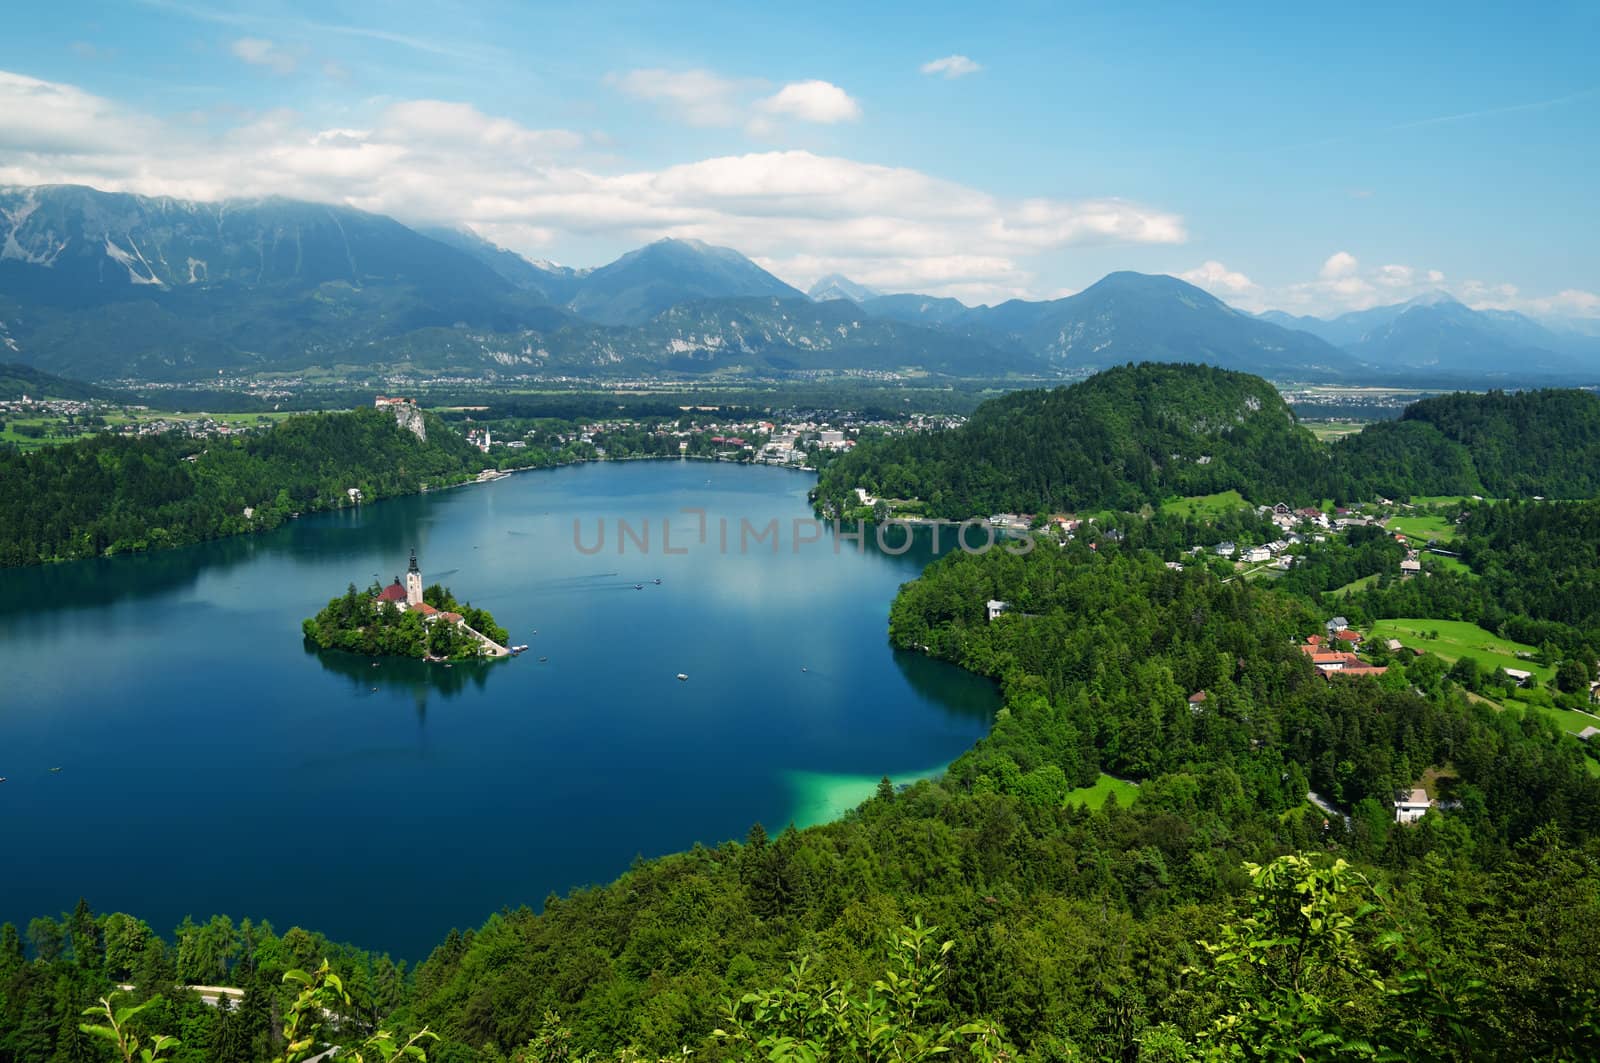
<point x="802" y="212"/>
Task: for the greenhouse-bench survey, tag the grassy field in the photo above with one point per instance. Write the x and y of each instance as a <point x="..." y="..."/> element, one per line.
<point x="1457" y="639"/>
<point x="1354" y="585"/>
<point x="1205" y="507"/>
<point x="1565" y="718"/>
<point x="1441" y="500"/>
<point x="1447" y="564"/>
<point x="1328" y="431"/>
<point x="1095" y="796"/>
<point x="1423" y="528"/>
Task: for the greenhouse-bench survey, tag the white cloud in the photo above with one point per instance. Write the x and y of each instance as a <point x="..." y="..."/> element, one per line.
<point x="1343" y="285"/>
<point x="951" y="66"/>
<point x="258" y="51"/>
<point x="812" y="101"/>
<point x="1214" y="277"/>
<point x="536" y="189"/>
<point x="698" y="97"/>
<point x="1339" y="264"/>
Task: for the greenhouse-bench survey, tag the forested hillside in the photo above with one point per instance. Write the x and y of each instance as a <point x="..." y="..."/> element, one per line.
<point x="111" y="494"/>
<point x="1125" y="933"/>
<point x="1125" y="437"/>
<point x="1142" y="434"/>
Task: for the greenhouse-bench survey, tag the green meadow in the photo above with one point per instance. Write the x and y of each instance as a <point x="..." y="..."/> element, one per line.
<point x="1095" y="796"/>
<point x="1423" y="528"/>
<point x="1455" y="639"/>
<point x="1205" y="507"/>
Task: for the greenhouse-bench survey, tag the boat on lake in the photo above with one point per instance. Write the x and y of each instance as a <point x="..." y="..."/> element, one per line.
<point x="683" y="677"/>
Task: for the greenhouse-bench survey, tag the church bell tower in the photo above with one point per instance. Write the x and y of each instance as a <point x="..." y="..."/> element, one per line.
<point x="413" y="582"/>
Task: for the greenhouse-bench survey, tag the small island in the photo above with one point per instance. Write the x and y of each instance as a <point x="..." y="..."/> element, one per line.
<point x="406" y="620"/>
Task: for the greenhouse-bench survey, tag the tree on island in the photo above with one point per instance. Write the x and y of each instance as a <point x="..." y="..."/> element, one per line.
<point x="357" y="622"/>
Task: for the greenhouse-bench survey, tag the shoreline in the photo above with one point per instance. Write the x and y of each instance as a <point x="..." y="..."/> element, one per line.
<point x="425" y="490"/>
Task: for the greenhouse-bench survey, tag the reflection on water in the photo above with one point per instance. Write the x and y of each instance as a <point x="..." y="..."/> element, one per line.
<point x="376" y="675"/>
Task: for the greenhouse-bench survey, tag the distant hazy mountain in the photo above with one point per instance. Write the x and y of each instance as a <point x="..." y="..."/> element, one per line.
<point x="838" y="286"/>
<point x="1434" y="333"/>
<point x="101" y="285"/>
<point x="1138" y="317"/>
<point x="917" y="309"/>
<point x="751" y="334"/>
<point x="643" y="283"/>
<point x="557" y="284"/>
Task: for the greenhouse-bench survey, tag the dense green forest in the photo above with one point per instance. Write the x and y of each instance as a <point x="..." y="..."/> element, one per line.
<point x="1117" y="440"/>
<point x="1499" y="444"/>
<point x="1217" y="916"/>
<point x="110" y="494"/>
<point x="1138" y="435"/>
<point x="356" y="622"/>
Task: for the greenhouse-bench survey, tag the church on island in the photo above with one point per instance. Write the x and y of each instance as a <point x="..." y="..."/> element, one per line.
<point x="407" y="597"/>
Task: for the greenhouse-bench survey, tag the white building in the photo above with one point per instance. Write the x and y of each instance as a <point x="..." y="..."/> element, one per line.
<point x="995" y="607"/>
<point x="1410" y="807"/>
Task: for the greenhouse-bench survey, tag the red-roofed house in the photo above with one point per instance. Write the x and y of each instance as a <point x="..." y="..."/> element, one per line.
<point x="1348" y="636"/>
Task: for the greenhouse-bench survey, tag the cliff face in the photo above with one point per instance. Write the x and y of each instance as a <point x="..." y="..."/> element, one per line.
<point x="410" y="418"/>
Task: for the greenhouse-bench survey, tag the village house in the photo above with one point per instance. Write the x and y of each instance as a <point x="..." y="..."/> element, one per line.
<point x="1412" y="806"/>
<point x="995" y="607"/>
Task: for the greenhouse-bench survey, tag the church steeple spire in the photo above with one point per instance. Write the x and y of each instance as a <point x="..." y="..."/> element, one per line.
<point x="413" y="581"/>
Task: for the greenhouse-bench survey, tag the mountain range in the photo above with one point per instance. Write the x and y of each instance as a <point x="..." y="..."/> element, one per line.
<point x="112" y="286"/>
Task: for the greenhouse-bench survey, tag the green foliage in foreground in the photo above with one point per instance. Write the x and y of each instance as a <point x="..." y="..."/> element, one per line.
<point x="356" y="623"/>
<point x="111" y="495"/>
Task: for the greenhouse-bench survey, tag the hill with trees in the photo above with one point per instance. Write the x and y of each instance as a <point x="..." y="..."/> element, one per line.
<point x="1126" y="437"/>
<point x="111" y="494"/>
<point x="1141" y="434"/>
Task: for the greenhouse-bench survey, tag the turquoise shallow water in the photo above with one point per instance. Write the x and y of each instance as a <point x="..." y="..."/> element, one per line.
<point x="210" y="762"/>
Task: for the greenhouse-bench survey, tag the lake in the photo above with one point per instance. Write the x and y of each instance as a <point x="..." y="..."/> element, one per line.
<point x="211" y="763"/>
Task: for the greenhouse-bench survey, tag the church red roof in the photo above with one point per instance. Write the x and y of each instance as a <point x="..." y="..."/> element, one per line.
<point x="392" y="593"/>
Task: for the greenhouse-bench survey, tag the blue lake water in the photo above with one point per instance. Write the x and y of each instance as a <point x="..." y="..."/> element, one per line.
<point x="211" y="763"/>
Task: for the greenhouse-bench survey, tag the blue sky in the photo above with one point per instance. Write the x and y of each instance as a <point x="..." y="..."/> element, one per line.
<point x="1314" y="162"/>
